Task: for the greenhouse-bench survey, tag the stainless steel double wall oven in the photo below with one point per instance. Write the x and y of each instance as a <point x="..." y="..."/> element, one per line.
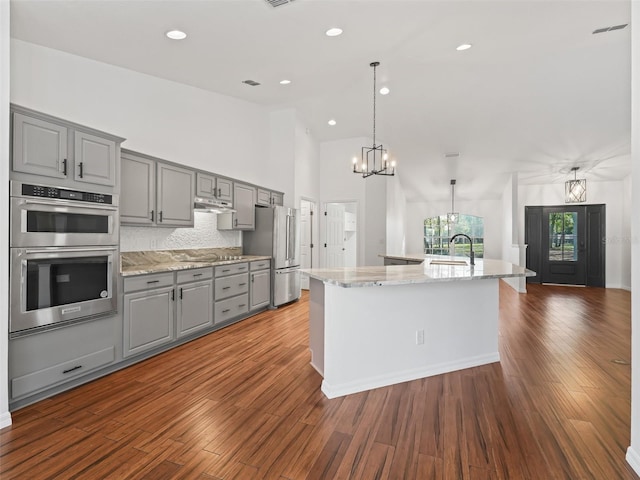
<point x="64" y="256"/>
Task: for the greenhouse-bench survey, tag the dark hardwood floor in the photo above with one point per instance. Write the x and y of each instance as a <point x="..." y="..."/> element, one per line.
<point x="244" y="403"/>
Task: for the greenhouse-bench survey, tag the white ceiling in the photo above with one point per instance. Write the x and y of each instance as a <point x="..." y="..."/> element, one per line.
<point x="537" y="94"/>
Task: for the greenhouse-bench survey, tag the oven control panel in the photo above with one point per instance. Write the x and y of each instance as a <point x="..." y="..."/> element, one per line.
<point x="64" y="194"/>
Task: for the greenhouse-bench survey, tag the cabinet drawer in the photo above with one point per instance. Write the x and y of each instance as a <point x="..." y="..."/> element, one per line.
<point x="260" y="265"/>
<point x="144" y="282"/>
<point x="229" y="286"/>
<point x="233" y="307"/>
<point x="231" y="269"/>
<point x="194" y="275"/>
<point x="61" y="372"/>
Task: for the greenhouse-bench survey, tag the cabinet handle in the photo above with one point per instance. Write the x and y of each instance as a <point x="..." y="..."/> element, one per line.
<point x="160" y="216"/>
<point x="236" y="222"/>
<point x="219" y="193"/>
<point x="242" y="284"/>
<point x="197" y="274"/>
<point x="226" y="311"/>
<point x="153" y="281"/>
<point x="152" y="215"/>
<point x="242" y="305"/>
<point x="173" y="295"/>
<point x="226" y="270"/>
<point x="64" y="166"/>
<point x="242" y="268"/>
<point x="81" y="172"/>
<point x="180" y="294"/>
<point x="252" y="277"/>
<point x="226" y="288"/>
<point x="72" y="369"/>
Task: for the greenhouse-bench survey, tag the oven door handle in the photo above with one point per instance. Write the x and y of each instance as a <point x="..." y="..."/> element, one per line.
<point x="69" y="249"/>
<point x="62" y="203"/>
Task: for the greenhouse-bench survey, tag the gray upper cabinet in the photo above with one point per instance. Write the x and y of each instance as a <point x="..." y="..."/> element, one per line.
<point x="39" y="147"/>
<point x="267" y="197"/>
<point x="244" y="201"/>
<point x="209" y="186"/>
<point x="277" y="198"/>
<point x="155" y="193"/>
<point x="50" y="147"/>
<point x="175" y="196"/>
<point x="95" y="159"/>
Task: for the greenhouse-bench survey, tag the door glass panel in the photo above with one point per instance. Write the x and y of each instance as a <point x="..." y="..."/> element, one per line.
<point x="563" y="228"/>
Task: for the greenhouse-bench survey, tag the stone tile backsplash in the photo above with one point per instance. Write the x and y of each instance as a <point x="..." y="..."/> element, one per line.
<point x="204" y="234"/>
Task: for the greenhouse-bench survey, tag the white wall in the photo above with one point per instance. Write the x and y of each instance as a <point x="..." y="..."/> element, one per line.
<point x="396" y="214"/>
<point x="611" y="194"/>
<point x="375" y="210"/>
<point x="282" y="128"/>
<point x="158" y="117"/>
<point x="633" y="453"/>
<point x="5" y="417"/>
<point x="490" y="210"/>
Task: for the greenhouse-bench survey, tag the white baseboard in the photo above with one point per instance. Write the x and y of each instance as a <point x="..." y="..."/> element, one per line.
<point x="5" y="419"/>
<point x="633" y="459"/>
<point x="333" y="391"/>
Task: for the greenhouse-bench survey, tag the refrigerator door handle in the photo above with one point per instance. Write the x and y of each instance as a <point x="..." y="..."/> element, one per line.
<point x="286" y="255"/>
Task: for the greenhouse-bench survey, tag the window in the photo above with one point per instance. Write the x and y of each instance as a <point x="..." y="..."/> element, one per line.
<point x="562" y="237"/>
<point x="437" y="233"/>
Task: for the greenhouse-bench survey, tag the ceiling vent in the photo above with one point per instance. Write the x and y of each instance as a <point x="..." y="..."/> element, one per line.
<point x="278" y="3"/>
<point x="251" y="82"/>
<point x="610" y="29"/>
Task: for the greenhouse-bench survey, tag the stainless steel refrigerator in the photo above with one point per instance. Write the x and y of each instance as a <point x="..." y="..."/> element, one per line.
<point x="277" y="234"/>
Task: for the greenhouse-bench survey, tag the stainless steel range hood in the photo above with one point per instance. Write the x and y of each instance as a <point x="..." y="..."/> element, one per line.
<point x="212" y="205"/>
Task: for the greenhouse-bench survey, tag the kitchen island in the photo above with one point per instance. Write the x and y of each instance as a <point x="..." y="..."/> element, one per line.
<point x="371" y="327"/>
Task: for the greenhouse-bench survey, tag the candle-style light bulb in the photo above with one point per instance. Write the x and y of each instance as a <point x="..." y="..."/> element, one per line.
<point x="393" y="164"/>
<point x="364" y="166"/>
<point x="354" y="160"/>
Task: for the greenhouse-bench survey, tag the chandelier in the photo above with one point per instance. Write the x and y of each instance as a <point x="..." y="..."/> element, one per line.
<point x="575" y="191"/>
<point x="374" y="160"/>
<point x="452" y="217"/>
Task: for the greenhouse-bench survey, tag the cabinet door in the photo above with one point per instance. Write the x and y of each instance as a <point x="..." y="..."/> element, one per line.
<point x="224" y="189"/>
<point x="195" y="307"/>
<point x="95" y="159"/>
<point x="137" y="190"/>
<point x="260" y="292"/>
<point x="39" y="147"/>
<point x="244" y="201"/>
<point x="264" y="197"/>
<point x="205" y="185"/>
<point x="277" y="198"/>
<point x="175" y="196"/>
<point x="148" y="320"/>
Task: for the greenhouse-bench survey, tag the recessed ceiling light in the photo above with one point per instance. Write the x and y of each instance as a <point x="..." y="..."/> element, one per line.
<point x="176" y="35"/>
<point x="384" y="91"/>
<point x="332" y="122"/>
<point x="333" y="32"/>
<point x="285" y="82"/>
<point x="464" y="46"/>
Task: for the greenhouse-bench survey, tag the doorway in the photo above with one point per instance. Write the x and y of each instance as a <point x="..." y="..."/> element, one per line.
<point x="307" y="231"/>
<point x="565" y="244"/>
<point x="340" y="246"/>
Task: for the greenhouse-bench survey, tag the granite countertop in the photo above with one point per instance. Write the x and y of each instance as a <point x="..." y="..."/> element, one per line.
<point x="412" y="274"/>
<point x="158" y="261"/>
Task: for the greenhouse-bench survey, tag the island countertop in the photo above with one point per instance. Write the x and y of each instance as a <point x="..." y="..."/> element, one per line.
<point x="411" y="274"/>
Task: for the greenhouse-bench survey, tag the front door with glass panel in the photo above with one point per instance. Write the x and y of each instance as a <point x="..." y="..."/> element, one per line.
<point x="563" y="245"/>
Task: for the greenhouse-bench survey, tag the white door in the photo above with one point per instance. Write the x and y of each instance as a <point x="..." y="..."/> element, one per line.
<point x="306" y="239"/>
<point x="335" y="235"/>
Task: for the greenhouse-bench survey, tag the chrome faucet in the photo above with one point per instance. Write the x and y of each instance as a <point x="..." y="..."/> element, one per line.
<point x="471" y="254"/>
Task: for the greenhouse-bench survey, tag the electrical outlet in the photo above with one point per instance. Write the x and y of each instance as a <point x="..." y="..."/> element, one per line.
<point x="419" y="337"/>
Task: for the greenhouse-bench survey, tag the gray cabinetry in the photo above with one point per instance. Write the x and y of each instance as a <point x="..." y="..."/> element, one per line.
<point x="148" y="314"/>
<point x="209" y="186"/>
<point x="244" y="200"/>
<point x="51" y="147"/>
<point x="195" y="300"/>
<point x="47" y="359"/>
<point x="267" y="197"/>
<point x="155" y="193"/>
<point x="259" y="284"/>
<point x="231" y="291"/>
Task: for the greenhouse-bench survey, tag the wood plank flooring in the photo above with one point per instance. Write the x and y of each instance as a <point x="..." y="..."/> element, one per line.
<point x="244" y="403"/>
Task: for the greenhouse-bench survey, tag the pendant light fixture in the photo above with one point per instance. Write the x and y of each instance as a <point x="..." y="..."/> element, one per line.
<point x="452" y="217"/>
<point x="374" y="160"/>
<point x="575" y="191"/>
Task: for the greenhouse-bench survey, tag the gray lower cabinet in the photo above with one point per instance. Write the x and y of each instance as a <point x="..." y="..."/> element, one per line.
<point x="259" y="284"/>
<point x="47" y="359"/>
<point x="231" y="291"/>
<point x="195" y="300"/>
<point x="52" y="147"/>
<point x="148" y="313"/>
<point x="155" y="193"/>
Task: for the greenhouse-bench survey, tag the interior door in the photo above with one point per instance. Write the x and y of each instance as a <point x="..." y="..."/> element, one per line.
<point x="335" y="235"/>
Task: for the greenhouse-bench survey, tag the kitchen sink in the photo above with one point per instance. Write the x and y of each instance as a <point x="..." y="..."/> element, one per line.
<point x="448" y="262"/>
